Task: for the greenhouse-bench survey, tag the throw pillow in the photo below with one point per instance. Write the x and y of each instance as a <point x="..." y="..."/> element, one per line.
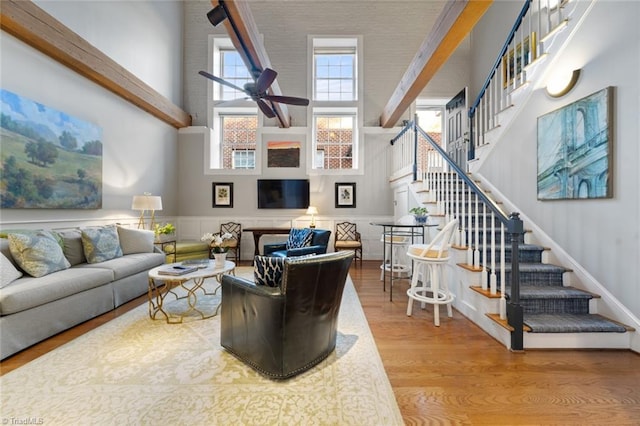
<point x="8" y="272"/>
<point x="299" y="238"/>
<point x="268" y="270"/>
<point x="38" y="253"/>
<point x="135" y="240"/>
<point x="101" y="243"/>
<point x="72" y="246"/>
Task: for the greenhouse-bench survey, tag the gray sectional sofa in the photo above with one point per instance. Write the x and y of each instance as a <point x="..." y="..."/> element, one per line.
<point x="87" y="282"/>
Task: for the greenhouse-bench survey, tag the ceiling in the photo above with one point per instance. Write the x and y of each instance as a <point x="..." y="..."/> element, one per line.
<point x="443" y="26"/>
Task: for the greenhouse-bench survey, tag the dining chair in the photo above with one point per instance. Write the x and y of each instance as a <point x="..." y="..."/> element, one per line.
<point x="348" y="238"/>
<point x="234" y="229"/>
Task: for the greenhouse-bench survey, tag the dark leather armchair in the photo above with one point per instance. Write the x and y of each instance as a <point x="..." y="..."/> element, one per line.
<point x="319" y="243"/>
<point x="283" y="331"/>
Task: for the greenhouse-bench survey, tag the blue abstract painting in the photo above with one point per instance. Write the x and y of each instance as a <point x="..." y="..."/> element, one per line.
<point x="575" y="149"/>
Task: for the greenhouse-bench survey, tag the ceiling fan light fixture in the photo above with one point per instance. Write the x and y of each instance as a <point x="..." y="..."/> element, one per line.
<point x="216" y="15"/>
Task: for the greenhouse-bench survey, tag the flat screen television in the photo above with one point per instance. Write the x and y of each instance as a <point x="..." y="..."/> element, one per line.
<point x="283" y="193"/>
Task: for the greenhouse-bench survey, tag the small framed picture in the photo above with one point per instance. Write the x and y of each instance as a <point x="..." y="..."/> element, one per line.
<point x="345" y="195"/>
<point x="222" y="194"/>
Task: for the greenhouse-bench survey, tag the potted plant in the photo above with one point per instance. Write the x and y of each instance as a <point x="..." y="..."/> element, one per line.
<point x="420" y="214"/>
<point x="217" y="245"/>
<point x="164" y="232"/>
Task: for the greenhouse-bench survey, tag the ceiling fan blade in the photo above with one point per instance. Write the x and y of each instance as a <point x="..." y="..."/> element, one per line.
<point x="266" y="109"/>
<point x="287" y="100"/>
<point x="264" y="81"/>
<point x="221" y="81"/>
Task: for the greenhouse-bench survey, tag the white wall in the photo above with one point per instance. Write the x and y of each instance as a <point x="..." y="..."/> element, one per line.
<point x="392" y="33"/>
<point x="373" y="194"/>
<point x="602" y="235"/>
<point x="139" y="150"/>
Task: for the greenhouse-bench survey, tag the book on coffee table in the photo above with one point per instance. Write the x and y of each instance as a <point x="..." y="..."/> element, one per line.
<point x="198" y="263"/>
<point x="177" y="270"/>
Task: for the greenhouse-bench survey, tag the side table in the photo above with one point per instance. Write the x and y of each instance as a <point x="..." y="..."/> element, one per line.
<point x="163" y="244"/>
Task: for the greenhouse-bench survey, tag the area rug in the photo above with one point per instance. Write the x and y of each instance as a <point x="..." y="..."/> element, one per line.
<point x="134" y="370"/>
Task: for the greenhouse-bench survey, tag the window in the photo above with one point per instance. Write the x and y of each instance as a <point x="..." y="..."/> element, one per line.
<point x="334" y="137"/>
<point x="318" y="161"/>
<point x="334" y="74"/>
<point x="235" y="72"/>
<point x="232" y="142"/>
<point x="245" y="159"/>
<point x="335" y="69"/>
<point x="335" y="108"/>
<point x="234" y="145"/>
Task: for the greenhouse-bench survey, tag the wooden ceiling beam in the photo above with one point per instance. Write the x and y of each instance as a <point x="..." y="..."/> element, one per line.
<point x="244" y="35"/>
<point x="454" y="24"/>
<point x="32" y="25"/>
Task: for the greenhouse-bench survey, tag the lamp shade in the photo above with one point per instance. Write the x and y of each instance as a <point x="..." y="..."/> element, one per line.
<point x="312" y="210"/>
<point x="146" y="202"/>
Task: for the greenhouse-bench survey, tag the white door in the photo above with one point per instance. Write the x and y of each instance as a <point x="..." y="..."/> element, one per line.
<point x="400" y="202"/>
<point x="457" y="128"/>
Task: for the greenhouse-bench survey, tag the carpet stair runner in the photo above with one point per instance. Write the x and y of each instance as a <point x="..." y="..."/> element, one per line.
<point x="548" y="305"/>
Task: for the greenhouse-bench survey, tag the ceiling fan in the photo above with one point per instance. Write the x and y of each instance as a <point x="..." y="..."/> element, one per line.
<point x="258" y="91"/>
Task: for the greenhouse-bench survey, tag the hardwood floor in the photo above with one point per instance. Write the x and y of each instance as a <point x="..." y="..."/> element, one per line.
<point x="457" y="374"/>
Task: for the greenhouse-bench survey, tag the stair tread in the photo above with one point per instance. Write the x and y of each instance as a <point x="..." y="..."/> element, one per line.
<point x="551" y="292"/>
<point x="521" y="247"/>
<point x="571" y="323"/>
<point x="537" y="267"/>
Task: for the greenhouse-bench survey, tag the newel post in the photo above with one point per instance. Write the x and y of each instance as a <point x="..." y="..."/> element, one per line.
<point x="515" y="316"/>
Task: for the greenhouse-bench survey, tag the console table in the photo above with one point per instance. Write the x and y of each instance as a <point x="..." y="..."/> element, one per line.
<point x="260" y="231"/>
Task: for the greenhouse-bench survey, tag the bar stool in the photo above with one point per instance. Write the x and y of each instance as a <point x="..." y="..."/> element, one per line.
<point x="430" y="261"/>
<point x="398" y="242"/>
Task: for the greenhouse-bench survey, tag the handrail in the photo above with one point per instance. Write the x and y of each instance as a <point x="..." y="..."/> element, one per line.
<point x="498" y="61"/>
<point x="407" y="127"/>
<point x="490" y="203"/>
<point x="512" y="223"/>
<point x="492" y="72"/>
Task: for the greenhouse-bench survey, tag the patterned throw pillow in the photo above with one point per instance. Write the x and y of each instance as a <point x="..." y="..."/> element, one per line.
<point x="8" y="272"/>
<point x="38" y="253"/>
<point x="135" y="240"/>
<point x="299" y="238"/>
<point x="268" y="270"/>
<point x="101" y="243"/>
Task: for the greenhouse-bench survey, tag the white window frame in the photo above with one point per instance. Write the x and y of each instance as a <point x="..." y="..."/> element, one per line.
<point x="212" y="150"/>
<point x="353" y="107"/>
<point x="234" y="159"/>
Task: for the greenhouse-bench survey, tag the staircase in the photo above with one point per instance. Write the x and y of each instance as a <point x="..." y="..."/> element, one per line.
<point x="548" y="307"/>
<point x="556" y="314"/>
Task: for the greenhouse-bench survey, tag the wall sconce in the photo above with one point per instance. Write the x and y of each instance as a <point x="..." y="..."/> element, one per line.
<point x="146" y="202"/>
<point x="559" y="85"/>
<point x="313" y="212"/>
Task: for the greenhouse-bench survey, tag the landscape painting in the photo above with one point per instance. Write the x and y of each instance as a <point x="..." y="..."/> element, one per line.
<point x="48" y="159"/>
<point x="575" y="149"/>
<point x="283" y="154"/>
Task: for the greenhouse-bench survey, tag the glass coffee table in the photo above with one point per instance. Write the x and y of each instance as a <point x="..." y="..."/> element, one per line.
<point x="185" y="290"/>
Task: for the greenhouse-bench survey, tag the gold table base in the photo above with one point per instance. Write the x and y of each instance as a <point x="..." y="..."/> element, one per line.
<point x="158" y="292"/>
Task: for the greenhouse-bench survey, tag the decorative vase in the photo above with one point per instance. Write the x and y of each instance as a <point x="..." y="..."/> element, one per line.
<point x="220" y="259"/>
<point x="421" y="220"/>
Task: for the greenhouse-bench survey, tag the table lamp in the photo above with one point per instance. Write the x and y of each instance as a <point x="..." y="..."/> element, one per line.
<point x="313" y="212"/>
<point x="146" y="202"/>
